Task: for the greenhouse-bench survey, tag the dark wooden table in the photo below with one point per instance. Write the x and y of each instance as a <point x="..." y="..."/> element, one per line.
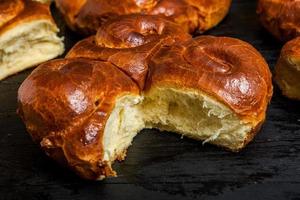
<point x="162" y="165"/>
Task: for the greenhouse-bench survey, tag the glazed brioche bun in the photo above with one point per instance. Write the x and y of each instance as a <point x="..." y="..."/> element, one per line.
<point x="287" y="70"/>
<point x="86" y="16"/>
<point x="280" y="17"/>
<point x="28" y="36"/>
<point x="213" y="89"/>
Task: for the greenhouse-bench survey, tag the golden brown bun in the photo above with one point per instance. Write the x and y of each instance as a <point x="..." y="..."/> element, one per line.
<point x="128" y="42"/>
<point x="68" y="114"/>
<point x="287" y="70"/>
<point x="280" y="17"/>
<point x="212" y="89"/>
<point x="26" y="27"/>
<point x="88" y="15"/>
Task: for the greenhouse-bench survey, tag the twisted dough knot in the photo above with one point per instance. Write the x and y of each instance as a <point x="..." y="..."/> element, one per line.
<point x="129" y="42"/>
<point x="134" y="31"/>
<point x="226" y="68"/>
<point x="10" y="9"/>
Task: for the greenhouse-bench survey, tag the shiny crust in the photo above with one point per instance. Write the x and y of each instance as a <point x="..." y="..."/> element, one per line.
<point x="20" y="11"/>
<point x="65" y="105"/>
<point x="87" y="16"/>
<point x="9" y="9"/>
<point x="280" y="17"/>
<point x="287" y="70"/>
<point x="228" y="69"/>
<point x="68" y="114"/>
<point x="128" y="42"/>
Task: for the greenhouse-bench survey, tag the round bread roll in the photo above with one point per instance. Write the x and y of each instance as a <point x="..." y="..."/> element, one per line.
<point x="138" y="72"/>
<point x="280" y="17"/>
<point x="87" y="16"/>
<point x="213" y="89"/>
<point x="128" y="42"/>
<point x="28" y="36"/>
<point x="287" y="70"/>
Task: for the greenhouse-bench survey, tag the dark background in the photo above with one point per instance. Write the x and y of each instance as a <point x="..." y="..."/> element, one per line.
<point x="162" y="165"/>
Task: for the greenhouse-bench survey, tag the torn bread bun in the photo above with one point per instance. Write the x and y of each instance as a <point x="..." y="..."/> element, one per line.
<point x="28" y="36"/>
<point x="212" y="89"/>
<point x="287" y="70"/>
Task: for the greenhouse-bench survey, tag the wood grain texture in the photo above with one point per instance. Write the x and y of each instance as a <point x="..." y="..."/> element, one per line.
<point x="162" y="165"/>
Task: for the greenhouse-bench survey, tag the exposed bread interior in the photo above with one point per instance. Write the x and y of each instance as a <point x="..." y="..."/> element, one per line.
<point x="27" y="45"/>
<point x="28" y="36"/>
<point x="190" y="113"/>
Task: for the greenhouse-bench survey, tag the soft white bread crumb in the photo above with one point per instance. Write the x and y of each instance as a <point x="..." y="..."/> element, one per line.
<point x="189" y="113"/>
<point x="28" y="44"/>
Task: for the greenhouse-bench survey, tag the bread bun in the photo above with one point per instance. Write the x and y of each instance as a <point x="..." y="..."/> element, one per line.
<point x="280" y="17"/>
<point x="287" y="70"/>
<point x="87" y="16"/>
<point x="213" y="89"/>
<point x="28" y="36"/>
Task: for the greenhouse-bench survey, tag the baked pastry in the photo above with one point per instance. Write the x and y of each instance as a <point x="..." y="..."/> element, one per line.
<point x="28" y="36"/>
<point x="87" y="16"/>
<point x="280" y="17"/>
<point x="143" y="72"/>
<point x="128" y="42"/>
<point x="287" y="70"/>
<point x="214" y="89"/>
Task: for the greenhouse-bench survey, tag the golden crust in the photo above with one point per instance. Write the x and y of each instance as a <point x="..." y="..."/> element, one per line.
<point x="9" y="9"/>
<point x="287" y="70"/>
<point x="31" y="10"/>
<point x="128" y="42"/>
<point x="228" y="69"/>
<point x="65" y="105"/>
<point x="88" y="15"/>
<point x="280" y="17"/>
